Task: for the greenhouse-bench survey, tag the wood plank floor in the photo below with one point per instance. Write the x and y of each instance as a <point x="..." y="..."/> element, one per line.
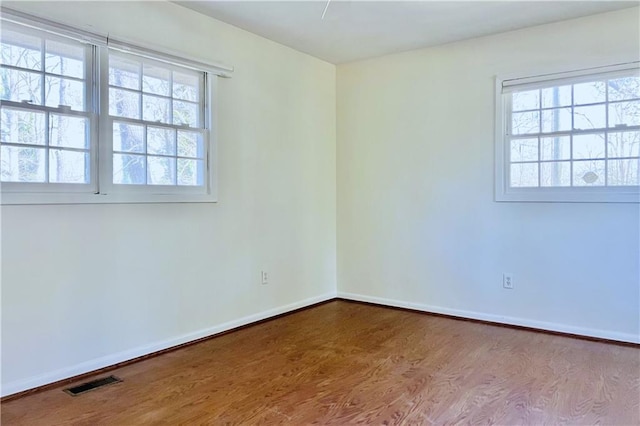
<point x="344" y="362"/>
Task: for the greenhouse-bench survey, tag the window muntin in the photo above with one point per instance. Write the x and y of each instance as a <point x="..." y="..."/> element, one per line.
<point x="581" y="135"/>
<point x="45" y="112"/>
<point x="145" y="90"/>
<point x="157" y="155"/>
<point x="157" y="120"/>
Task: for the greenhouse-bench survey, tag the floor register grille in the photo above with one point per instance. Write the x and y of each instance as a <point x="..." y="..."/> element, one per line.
<point x="94" y="384"/>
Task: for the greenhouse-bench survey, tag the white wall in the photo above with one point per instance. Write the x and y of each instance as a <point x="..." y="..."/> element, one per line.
<point x="417" y="224"/>
<point x="85" y="286"/>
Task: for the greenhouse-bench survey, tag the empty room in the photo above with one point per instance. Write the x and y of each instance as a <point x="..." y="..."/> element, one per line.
<point x="320" y="212"/>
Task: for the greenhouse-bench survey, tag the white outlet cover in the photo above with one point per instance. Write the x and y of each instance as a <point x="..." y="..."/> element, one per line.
<point x="507" y="280"/>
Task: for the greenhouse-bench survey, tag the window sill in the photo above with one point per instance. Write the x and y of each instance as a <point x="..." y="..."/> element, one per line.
<point x="569" y="195"/>
<point x="15" y="198"/>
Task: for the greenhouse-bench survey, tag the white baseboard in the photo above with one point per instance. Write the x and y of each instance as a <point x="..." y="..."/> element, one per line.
<point x="541" y="325"/>
<point x="106" y="361"/>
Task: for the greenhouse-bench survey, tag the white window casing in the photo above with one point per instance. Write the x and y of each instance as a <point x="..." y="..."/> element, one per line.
<point x="185" y="158"/>
<point x="569" y="137"/>
<point x="21" y="71"/>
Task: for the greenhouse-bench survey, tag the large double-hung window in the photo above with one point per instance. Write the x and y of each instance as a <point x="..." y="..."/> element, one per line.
<point x="47" y="112"/>
<point x="156" y="117"/>
<point x="570" y="137"/>
<point x="83" y="120"/>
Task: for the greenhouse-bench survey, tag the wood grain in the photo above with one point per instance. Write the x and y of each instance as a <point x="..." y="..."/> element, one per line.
<point x="341" y="363"/>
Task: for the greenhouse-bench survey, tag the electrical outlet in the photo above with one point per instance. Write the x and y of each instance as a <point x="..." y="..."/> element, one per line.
<point x="507" y="280"/>
<point x="265" y="278"/>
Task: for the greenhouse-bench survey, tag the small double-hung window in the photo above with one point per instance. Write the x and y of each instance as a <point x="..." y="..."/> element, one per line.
<point x="570" y="137"/>
<point x="84" y="120"/>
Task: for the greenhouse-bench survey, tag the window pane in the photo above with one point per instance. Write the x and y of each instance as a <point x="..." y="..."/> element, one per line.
<point x="556" y="148"/>
<point x="589" y="93"/>
<point x="20" y="126"/>
<point x="161" y="141"/>
<point x="524" y="175"/>
<point x="156" y="80"/>
<point x="162" y="170"/>
<point x="624" y="88"/>
<point x="68" y="131"/>
<point x="624" y="144"/>
<point x="124" y="72"/>
<point x="23" y="164"/>
<point x="21" y="50"/>
<point x="128" y="137"/>
<point x="155" y="108"/>
<point x="190" y="144"/>
<point x="624" y="114"/>
<point x="68" y="166"/>
<point x="589" y="117"/>
<point x="525" y="122"/>
<point x="124" y="103"/>
<point x="588" y="173"/>
<point x="20" y="86"/>
<point x="588" y="146"/>
<point x="557" y="173"/>
<point x="526" y="100"/>
<point x="556" y="120"/>
<point x="556" y="97"/>
<point x="64" y="59"/>
<point x="62" y="91"/>
<point x="186" y="86"/>
<point x="524" y="149"/>
<point x="190" y="172"/>
<point x="185" y="113"/>
<point x="129" y="169"/>
<point x="623" y="172"/>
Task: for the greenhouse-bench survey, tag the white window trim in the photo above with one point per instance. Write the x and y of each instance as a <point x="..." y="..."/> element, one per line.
<point x="504" y="193"/>
<point x="26" y="193"/>
<point x="11" y="188"/>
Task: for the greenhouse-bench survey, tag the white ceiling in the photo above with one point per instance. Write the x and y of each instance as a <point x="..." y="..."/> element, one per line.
<point x="353" y="30"/>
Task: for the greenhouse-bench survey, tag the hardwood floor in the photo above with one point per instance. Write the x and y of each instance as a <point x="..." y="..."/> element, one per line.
<point x="344" y="362"/>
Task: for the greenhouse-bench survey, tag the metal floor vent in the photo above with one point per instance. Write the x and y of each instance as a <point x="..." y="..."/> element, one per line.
<point x="94" y="384"/>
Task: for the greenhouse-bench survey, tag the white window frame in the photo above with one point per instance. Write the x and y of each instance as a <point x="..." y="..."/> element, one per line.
<point x="102" y="188"/>
<point x="12" y="189"/>
<point x="503" y="191"/>
<point x="158" y="193"/>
